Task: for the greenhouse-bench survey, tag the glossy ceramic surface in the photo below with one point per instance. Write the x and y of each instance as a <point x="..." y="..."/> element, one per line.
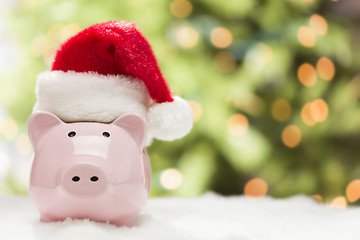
<point x="88" y="169"/>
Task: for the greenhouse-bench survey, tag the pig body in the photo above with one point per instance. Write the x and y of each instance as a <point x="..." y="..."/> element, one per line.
<point x="89" y="170"/>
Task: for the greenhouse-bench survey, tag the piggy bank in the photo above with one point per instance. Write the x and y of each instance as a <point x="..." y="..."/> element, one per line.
<point x="89" y="170"/>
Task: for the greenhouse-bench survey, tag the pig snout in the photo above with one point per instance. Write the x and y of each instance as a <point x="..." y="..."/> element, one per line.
<point x="84" y="179"/>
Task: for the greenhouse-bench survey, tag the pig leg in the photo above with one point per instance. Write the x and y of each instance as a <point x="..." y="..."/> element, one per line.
<point x="127" y="221"/>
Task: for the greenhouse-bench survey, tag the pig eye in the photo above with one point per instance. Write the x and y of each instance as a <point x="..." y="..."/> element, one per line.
<point x="71" y="134"/>
<point x="106" y="134"/>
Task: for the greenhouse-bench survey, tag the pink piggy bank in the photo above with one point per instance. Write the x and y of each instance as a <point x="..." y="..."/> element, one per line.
<point x="89" y="170"/>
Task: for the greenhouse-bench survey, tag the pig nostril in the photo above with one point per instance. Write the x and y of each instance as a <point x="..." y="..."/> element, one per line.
<point x="94" y="178"/>
<point x="76" y="179"/>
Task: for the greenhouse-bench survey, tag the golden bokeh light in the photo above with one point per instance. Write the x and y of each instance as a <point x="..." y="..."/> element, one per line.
<point x="221" y="37"/>
<point x="181" y="8"/>
<point x="256" y="187"/>
<point x="291" y="136"/>
<point x="281" y="110"/>
<point x="187" y="37"/>
<point x="353" y="191"/>
<point x="49" y="53"/>
<point x="318" y="198"/>
<point x="306" y="115"/>
<point x="39" y="45"/>
<point x="307" y="74"/>
<point x="325" y="68"/>
<point x="23" y="145"/>
<point x="9" y="129"/>
<point x="319" y="110"/>
<point x="196" y="109"/>
<point x="238" y="124"/>
<point x="314" y="112"/>
<point x="68" y="31"/>
<point x="306" y="36"/>
<point x="318" y="24"/>
<point x="225" y="62"/>
<point x="339" y="202"/>
<point x="171" y="179"/>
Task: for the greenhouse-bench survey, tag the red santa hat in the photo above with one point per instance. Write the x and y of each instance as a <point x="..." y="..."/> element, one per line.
<point x="108" y="70"/>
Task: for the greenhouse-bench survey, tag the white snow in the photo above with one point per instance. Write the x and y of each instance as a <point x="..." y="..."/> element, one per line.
<point x="208" y="217"/>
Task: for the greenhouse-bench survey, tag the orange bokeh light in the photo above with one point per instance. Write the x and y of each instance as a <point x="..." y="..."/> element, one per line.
<point x="314" y="112"/>
<point x="256" y="187"/>
<point x="325" y="68"/>
<point x="221" y="37"/>
<point x="181" y="8"/>
<point x="306" y="115"/>
<point x="306" y="36"/>
<point x="339" y="202"/>
<point x="318" y="198"/>
<point x="318" y="24"/>
<point x="281" y="110"/>
<point x="319" y="110"/>
<point x="238" y="124"/>
<point x="353" y="191"/>
<point x="307" y="74"/>
<point x="291" y="136"/>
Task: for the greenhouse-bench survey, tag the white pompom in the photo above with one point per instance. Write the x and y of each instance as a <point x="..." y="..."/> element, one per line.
<point x="170" y="120"/>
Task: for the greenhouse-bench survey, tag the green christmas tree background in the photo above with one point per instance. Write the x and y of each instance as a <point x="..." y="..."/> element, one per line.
<point x="274" y="87"/>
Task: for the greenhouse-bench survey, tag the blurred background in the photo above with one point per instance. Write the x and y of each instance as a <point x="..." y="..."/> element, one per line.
<point x="274" y="87"/>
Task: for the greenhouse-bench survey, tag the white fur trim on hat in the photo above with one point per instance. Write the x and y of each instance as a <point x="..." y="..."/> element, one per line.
<point x="74" y="96"/>
<point x="170" y="120"/>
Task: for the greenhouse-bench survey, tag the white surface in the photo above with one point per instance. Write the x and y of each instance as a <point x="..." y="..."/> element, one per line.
<point x="208" y="217"/>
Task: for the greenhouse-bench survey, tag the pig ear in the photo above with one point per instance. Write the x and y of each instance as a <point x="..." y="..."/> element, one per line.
<point x="135" y="125"/>
<point x="39" y="123"/>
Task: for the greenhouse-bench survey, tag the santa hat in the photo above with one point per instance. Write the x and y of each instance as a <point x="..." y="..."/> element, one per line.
<point x="108" y="70"/>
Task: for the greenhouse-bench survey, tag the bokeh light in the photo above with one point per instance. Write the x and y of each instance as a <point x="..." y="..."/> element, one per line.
<point x="318" y="198"/>
<point x="187" y="37"/>
<point x="318" y="24"/>
<point x="319" y="110"/>
<point x="47" y="45"/>
<point x="353" y="191"/>
<point x="281" y="110"/>
<point x="256" y="187"/>
<point x="307" y="74"/>
<point x="306" y="36"/>
<point x="238" y="124"/>
<point x="38" y="45"/>
<point x="314" y="112"/>
<point x="325" y="68"/>
<point x="181" y="8"/>
<point x="221" y="37"/>
<point x="291" y="136"/>
<point x="339" y="202"/>
<point x="23" y="145"/>
<point x="9" y="129"/>
<point x="171" y="179"/>
<point x="306" y="115"/>
<point x="68" y="31"/>
<point x="196" y="109"/>
<point x="225" y="62"/>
